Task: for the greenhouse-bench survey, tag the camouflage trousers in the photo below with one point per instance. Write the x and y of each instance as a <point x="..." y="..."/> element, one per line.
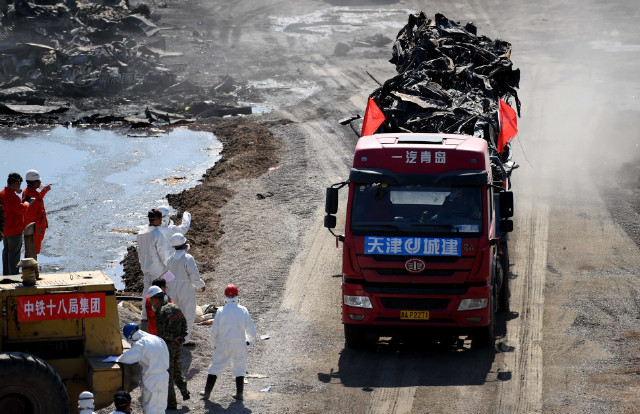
<point x="175" y="374"/>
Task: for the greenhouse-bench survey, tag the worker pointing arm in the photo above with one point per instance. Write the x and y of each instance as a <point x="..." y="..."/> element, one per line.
<point x="168" y="228"/>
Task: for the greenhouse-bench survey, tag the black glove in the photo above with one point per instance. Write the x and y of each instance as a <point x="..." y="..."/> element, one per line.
<point x="247" y="343"/>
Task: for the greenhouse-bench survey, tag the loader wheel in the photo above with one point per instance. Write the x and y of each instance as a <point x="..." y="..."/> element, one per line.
<point x="28" y="385"/>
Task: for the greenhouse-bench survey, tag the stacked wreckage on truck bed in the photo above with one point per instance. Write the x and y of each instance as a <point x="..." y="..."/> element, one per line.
<point x="425" y="249"/>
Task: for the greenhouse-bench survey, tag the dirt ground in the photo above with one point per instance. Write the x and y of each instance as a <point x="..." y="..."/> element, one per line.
<point x="570" y="342"/>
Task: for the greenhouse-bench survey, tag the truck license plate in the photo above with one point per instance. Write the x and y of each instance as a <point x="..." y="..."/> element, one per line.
<point x="415" y="315"/>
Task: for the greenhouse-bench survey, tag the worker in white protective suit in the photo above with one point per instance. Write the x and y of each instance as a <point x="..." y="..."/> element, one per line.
<point x="231" y="333"/>
<point x="168" y="228"/>
<point x="182" y="289"/>
<point x="153" y="355"/>
<point x="153" y="253"/>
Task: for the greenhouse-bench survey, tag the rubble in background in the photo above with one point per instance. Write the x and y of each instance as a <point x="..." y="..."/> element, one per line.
<point x="71" y="58"/>
<point x="449" y="79"/>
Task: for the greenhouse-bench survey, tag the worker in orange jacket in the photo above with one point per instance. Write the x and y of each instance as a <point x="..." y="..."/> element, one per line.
<point x="151" y="314"/>
<point x="36" y="212"/>
<point x="14" y="212"/>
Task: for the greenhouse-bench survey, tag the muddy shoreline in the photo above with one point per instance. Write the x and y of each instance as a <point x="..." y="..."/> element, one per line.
<point x="249" y="150"/>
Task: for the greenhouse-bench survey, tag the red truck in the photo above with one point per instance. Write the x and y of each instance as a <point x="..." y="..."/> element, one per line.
<point x="425" y="243"/>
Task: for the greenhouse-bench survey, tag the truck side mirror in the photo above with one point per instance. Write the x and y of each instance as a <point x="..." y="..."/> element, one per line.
<point x="506" y="204"/>
<point x="331" y="204"/>
<point x="330" y="221"/>
<point x="506" y="226"/>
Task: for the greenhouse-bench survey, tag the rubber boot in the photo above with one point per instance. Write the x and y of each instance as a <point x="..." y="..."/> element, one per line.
<point x="211" y="381"/>
<point x="239" y="388"/>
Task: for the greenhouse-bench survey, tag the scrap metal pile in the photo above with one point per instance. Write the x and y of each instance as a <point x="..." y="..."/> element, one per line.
<point x="449" y="80"/>
<point x="101" y="54"/>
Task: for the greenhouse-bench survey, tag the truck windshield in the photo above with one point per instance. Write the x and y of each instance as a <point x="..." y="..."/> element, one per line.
<point x="416" y="209"/>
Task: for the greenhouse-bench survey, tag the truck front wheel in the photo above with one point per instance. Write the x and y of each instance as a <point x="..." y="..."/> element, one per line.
<point x="485" y="336"/>
<point x="28" y="385"/>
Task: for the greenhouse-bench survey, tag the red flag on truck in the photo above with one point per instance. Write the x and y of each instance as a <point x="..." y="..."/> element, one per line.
<point x="508" y="125"/>
<point x="373" y="117"/>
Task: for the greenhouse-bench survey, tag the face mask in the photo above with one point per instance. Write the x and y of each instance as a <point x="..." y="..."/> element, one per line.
<point x="188" y="247"/>
<point x="136" y="336"/>
<point x="165" y="220"/>
<point x="155" y="308"/>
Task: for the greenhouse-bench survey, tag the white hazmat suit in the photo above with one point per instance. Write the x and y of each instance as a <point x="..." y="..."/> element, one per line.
<point x="153" y="355"/>
<point x="232" y="328"/>
<point x="182" y="289"/>
<point x="168" y="228"/>
<point x="153" y="254"/>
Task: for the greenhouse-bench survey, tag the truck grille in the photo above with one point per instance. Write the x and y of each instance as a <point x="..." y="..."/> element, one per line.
<point x="403" y="272"/>
<point x="414" y="303"/>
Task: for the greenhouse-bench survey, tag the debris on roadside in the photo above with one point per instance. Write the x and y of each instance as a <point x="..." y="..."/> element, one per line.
<point x="376" y="40"/>
<point x="261" y="196"/>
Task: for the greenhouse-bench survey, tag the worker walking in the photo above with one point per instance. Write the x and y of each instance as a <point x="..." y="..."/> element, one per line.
<point x="153" y="253"/>
<point x="36" y="212"/>
<point x="172" y="327"/>
<point x="151" y="314"/>
<point x="231" y="333"/>
<point x="14" y="212"/>
<point x="187" y="279"/>
<point x="153" y="355"/>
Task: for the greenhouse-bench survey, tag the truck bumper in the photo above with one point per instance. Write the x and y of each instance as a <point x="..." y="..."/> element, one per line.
<point x="441" y="305"/>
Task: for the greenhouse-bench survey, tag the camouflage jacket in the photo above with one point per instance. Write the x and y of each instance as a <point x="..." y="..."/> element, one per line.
<point x="170" y="322"/>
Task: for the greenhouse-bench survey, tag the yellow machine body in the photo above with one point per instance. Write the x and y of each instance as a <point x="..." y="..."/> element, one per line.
<point x="70" y="320"/>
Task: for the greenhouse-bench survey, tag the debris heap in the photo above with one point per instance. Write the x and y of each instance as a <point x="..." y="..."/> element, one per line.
<point x="449" y="80"/>
<point x="74" y="57"/>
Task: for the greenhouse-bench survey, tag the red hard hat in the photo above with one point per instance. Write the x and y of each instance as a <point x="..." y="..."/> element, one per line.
<point x="231" y="291"/>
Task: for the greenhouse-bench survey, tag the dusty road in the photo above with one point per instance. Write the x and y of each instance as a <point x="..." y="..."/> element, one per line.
<point x="570" y="343"/>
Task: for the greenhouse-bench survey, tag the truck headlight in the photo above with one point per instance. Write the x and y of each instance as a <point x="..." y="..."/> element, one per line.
<point x="358" y="301"/>
<point x="472" y="304"/>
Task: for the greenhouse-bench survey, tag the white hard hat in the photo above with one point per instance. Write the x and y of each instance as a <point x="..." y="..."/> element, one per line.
<point x="164" y="211"/>
<point x="85" y="402"/>
<point x="33" y="175"/>
<point x="177" y="240"/>
<point x="154" y="290"/>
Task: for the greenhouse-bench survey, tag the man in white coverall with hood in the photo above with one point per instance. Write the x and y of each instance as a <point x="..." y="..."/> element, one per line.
<point x="153" y="355"/>
<point x="153" y="253"/>
<point x="231" y="333"/>
<point x="182" y="289"/>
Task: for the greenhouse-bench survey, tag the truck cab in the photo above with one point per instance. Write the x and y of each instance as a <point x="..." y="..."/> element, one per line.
<point x="423" y="240"/>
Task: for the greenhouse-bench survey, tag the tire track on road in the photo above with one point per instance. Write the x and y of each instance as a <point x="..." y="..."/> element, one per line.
<point x="523" y="392"/>
<point x="390" y="396"/>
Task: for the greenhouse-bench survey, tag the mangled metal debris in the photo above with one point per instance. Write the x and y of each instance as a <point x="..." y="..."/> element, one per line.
<point x="101" y="55"/>
<point x="449" y="79"/>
